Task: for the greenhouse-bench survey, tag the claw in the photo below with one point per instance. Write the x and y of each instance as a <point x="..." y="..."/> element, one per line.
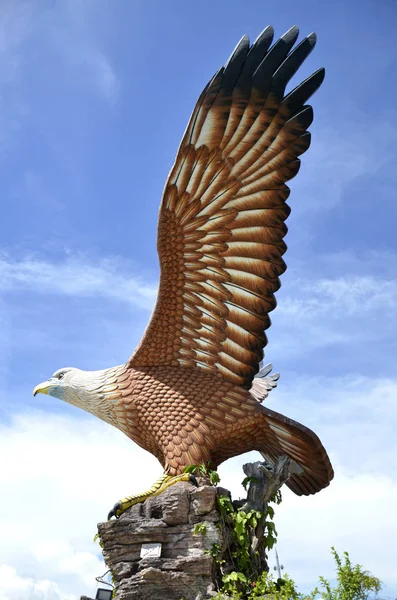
<point x="193" y="480"/>
<point x="113" y="512"/>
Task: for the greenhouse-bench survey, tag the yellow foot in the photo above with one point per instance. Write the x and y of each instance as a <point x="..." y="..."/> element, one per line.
<point x="161" y="484"/>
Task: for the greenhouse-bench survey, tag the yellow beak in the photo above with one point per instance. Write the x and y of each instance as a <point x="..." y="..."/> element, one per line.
<point x="42" y="388"/>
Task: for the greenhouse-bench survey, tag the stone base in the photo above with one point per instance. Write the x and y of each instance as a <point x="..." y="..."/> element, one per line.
<point x="185" y="570"/>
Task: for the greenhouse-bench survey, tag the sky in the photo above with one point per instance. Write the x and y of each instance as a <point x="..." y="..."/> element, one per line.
<point x="94" y="98"/>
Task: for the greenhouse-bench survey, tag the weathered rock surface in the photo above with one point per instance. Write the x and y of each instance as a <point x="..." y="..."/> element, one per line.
<point x="186" y="522"/>
<point x="184" y="569"/>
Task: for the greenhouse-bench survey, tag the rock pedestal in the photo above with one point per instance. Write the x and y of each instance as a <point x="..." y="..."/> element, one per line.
<point x="183" y="525"/>
<point x="185" y="521"/>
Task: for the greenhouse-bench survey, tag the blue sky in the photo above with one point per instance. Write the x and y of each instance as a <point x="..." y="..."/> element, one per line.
<point x="94" y="98"/>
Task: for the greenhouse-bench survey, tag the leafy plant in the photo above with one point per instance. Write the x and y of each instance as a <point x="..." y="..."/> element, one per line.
<point x="204" y="471"/>
<point x="353" y="582"/>
<point x="96" y="538"/>
<point x="232" y="581"/>
<point x="238" y="587"/>
<point x="248" y="480"/>
<point x="243" y="580"/>
<point x="280" y="589"/>
<point x="200" y="529"/>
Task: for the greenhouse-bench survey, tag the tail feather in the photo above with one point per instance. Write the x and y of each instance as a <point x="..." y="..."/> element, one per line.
<point x="304" y="447"/>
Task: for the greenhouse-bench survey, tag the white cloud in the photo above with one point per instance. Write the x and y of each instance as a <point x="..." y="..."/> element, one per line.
<point x="351" y="294"/>
<point x="340" y="310"/>
<point x="14" y="587"/>
<point x="76" y="276"/>
<point x="323" y="311"/>
<point x="305" y="301"/>
<point x="354" y="514"/>
<point x="356" y="419"/>
<point x="61" y="475"/>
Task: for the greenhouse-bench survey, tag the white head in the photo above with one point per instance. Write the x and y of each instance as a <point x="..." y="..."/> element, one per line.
<point x="86" y="389"/>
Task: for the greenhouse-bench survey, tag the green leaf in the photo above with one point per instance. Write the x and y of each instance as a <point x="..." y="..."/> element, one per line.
<point x="248" y="480"/>
<point x="190" y="469"/>
<point x="200" y="529"/>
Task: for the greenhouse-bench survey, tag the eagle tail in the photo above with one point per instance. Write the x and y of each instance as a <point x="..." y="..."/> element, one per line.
<point x="304" y="447"/>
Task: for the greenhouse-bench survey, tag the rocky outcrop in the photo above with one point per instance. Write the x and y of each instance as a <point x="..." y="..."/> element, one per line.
<point x="186" y="522"/>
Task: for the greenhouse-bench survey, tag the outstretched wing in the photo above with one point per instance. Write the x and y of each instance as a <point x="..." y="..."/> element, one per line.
<point x="221" y="223"/>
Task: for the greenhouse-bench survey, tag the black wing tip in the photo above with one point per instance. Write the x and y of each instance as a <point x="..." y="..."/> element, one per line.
<point x="312" y="37"/>
<point x="317" y="77"/>
<point x="321" y="74"/>
<point x="234" y="65"/>
<point x="291" y="34"/>
<point x="300" y="95"/>
<point x="267" y="67"/>
<point x="265" y="34"/>
<point x="242" y="46"/>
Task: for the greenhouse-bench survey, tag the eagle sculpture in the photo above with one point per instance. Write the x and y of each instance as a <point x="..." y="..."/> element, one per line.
<point x="190" y="393"/>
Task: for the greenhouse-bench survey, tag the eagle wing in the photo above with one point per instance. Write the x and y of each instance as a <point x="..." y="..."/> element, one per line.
<point x="221" y="223"/>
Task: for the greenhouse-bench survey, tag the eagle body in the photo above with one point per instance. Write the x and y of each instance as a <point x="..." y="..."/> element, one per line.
<point x="191" y="392"/>
<point x="186" y="416"/>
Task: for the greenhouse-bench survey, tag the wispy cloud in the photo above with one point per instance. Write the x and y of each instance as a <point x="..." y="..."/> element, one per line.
<point x="15" y="28"/>
<point x="13" y="587"/>
<point x="326" y="310"/>
<point x="350" y="295"/>
<point x="66" y="29"/>
<point x="319" y="307"/>
<point x="77" y="276"/>
<point x="341" y="156"/>
<point x="73" y="35"/>
<point x="103" y="74"/>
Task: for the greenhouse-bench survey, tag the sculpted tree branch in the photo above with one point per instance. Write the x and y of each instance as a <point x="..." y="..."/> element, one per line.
<point x="265" y="480"/>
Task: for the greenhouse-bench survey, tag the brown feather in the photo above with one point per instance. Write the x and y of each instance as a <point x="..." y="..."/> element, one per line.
<point x="220" y="244"/>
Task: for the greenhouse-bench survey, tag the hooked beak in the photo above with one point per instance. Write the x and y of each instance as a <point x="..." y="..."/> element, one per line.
<point x="42" y="388"/>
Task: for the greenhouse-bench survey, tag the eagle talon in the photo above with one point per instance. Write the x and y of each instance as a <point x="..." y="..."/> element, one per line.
<point x="193" y="480"/>
<point x="113" y="512"/>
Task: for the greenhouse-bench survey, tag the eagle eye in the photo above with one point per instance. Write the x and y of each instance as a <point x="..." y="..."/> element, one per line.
<point x="61" y="375"/>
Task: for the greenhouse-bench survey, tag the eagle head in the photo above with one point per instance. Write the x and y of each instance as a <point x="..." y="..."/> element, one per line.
<point x="89" y="390"/>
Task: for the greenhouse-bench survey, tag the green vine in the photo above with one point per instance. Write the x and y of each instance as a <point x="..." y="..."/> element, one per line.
<point x="242" y="581"/>
<point x="241" y="524"/>
<point x="96" y="538"/>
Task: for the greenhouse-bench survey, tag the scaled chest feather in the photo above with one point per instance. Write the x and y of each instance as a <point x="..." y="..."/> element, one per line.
<point x="165" y="403"/>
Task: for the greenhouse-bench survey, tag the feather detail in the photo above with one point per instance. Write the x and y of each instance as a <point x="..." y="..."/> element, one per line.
<point x="222" y="217"/>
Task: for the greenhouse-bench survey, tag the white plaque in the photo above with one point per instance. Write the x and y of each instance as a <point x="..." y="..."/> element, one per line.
<point x="151" y="550"/>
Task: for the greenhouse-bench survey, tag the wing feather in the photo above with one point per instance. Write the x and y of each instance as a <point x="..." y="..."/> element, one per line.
<point x="222" y="216"/>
